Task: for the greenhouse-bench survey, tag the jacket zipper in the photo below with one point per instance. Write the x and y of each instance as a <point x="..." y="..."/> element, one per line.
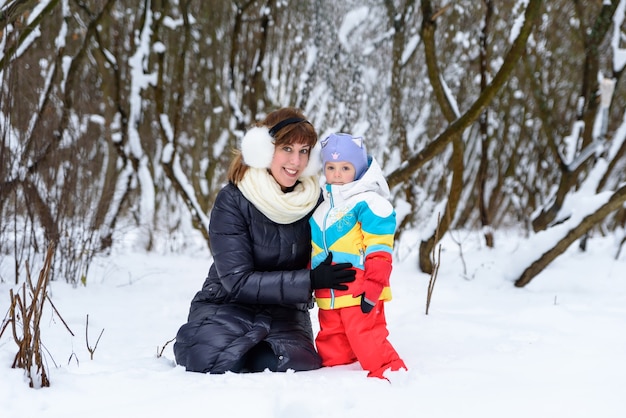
<point x="332" y="204"/>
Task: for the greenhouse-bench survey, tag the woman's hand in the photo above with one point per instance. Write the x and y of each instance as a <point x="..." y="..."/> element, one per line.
<point x="332" y="276"/>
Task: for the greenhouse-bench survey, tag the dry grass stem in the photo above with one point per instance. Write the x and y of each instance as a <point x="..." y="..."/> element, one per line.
<point x="160" y="352"/>
<point x="436" y="260"/>
<point x="91" y="350"/>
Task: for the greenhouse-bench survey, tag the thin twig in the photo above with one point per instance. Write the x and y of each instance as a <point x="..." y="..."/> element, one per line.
<point x="439" y="12"/>
<point x="436" y="263"/>
<point x="70" y="359"/>
<point x="91" y="350"/>
<point x="160" y="353"/>
<point x="59" y="315"/>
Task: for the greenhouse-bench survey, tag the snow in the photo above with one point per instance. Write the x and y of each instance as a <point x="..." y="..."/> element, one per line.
<point x="140" y="80"/>
<point x="519" y="20"/>
<point x="619" y="54"/>
<point x="351" y="22"/>
<point x="486" y="349"/>
<point x="410" y="48"/>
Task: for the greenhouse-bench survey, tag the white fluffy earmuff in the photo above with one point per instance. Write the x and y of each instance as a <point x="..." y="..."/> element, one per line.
<point x="257" y="150"/>
<point x="257" y="147"/>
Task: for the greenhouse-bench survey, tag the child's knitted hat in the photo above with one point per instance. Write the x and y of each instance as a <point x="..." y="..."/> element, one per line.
<point x="340" y="147"/>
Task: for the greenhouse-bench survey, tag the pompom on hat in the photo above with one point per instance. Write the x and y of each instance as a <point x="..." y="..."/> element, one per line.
<point x="257" y="147"/>
<point x="341" y="147"/>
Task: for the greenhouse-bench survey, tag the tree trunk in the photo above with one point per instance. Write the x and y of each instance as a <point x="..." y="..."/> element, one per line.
<point x="594" y="37"/>
<point x="614" y="203"/>
<point x="510" y="61"/>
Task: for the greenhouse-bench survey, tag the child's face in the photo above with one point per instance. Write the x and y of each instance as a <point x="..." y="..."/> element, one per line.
<point x="339" y="172"/>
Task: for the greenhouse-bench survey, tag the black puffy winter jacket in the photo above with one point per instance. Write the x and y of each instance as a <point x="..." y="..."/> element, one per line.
<point x="258" y="289"/>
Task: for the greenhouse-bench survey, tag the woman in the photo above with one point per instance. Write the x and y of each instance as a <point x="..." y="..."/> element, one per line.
<point x="252" y="313"/>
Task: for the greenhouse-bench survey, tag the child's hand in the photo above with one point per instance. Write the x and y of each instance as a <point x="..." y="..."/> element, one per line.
<point x="370" y="293"/>
<point x="377" y="272"/>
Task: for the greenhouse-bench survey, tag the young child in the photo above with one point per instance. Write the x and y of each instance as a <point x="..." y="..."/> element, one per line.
<point x="354" y="224"/>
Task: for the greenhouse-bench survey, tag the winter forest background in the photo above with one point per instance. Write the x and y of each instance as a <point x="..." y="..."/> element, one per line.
<point x="118" y="116"/>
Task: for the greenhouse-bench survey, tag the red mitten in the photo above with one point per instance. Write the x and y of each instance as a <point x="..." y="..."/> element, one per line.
<point x="370" y="295"/>
<point x="377" y="272"/>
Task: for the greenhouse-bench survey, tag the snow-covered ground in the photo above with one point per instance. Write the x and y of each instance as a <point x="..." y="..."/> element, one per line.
<point x="556" y="348"/>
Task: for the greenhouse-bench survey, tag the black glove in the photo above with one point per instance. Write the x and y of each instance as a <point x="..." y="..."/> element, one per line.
<point x="369" y="292"/>
<point x="329" y="276"/>
<point x="366" y="305"/>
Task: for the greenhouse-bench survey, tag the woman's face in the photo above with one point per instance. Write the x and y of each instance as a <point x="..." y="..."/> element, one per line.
<point x="288" y="163"/>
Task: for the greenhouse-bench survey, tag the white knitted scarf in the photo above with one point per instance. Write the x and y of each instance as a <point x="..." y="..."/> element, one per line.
<point x="260" y="188"/>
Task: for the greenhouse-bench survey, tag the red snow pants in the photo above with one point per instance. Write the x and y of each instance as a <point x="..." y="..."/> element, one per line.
<point x="348" y="335"/>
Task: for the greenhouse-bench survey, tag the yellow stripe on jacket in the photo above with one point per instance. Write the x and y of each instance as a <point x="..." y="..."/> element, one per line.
<point x="346" y="300"/>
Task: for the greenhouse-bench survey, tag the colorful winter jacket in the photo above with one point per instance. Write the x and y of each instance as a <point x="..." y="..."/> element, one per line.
<point x="356" y="222"/>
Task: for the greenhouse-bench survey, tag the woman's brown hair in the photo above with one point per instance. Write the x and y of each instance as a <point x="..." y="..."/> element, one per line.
<point x="294" y="133"/>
